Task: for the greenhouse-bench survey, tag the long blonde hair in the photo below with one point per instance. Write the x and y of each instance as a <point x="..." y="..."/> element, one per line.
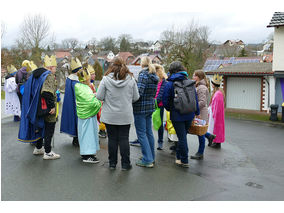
<point x="215" y="89"/>
<point x="160" y="71"/>
<point x="147" y="62"/>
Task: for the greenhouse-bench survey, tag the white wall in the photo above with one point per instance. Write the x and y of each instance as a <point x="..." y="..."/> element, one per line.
<point x="265" y="106"/>
<point x="278" y="49"/>
<point x="271" y="90"/>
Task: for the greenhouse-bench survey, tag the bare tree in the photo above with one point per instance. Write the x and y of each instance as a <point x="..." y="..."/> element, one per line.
<point x="188" y="44"/>
<point x="35" y="29"/>
<point x="70" y="43"/>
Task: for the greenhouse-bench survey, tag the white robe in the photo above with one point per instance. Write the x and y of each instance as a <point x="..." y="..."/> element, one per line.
<point x="211" y="121"/>
<point x="12" y="102"/>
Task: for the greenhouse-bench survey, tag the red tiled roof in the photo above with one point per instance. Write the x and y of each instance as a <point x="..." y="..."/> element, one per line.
<point x="62" y="54"/>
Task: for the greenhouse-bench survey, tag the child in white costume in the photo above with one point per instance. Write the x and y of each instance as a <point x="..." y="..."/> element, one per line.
<point x="12" y="103"/>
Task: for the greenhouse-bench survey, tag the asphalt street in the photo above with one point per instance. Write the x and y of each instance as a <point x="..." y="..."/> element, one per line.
<point x="248" y="167"/>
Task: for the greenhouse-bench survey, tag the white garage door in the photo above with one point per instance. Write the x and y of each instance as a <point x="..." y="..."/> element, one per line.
<point x="243" y="93"/>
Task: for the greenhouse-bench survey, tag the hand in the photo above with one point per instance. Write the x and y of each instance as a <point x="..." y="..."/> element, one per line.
<point x="52" y="111"/>
<point x="198" y="116"/>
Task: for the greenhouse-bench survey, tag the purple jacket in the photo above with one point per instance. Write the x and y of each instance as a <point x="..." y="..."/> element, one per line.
<point x="21" y="77"/>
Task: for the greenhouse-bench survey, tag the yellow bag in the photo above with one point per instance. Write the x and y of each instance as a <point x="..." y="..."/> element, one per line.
<point x="170" y="127"/>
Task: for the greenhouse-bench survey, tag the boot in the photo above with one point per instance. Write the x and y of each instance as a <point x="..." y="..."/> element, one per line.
<point x="216" y="145"/>
<point x="210" y="139"/>
<point x="75" y="141"/>
<point x="197" y="156"/>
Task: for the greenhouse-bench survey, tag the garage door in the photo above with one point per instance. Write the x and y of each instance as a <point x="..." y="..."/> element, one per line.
<point x="243" y="93"/>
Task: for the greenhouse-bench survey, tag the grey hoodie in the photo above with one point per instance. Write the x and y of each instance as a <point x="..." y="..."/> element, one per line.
<point x="117" y="97"/>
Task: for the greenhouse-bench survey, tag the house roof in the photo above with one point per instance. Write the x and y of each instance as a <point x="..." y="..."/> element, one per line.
<point x="62" y="54"/>
<point x="213" y="63"/>
<point x="125" y="55"/>
<point x="277" y="20"/>
<point x="150" y="56"/>
<point x="244" y="69"/>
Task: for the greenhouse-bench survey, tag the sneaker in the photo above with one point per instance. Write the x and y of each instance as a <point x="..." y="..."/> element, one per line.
<point x="50" y="156"/>
<point x="216" y="145"/>
<point x="197" y="156"/>
<point x="125" y="168"/>
<point x="102" y="134"/>
<point x="92" y="159"/>
<point x="134" y="143"/>
<point x="112" y="166"/>
<point x="38" y="151"/>
<point x="159" y="148"/>
<point x="142" y="164"/>
<point x="179" y="163"/>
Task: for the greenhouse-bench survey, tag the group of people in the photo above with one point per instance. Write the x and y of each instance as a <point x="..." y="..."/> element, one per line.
<point x="119" y="101"/>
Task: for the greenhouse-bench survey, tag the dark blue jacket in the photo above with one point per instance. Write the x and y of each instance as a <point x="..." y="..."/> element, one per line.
<point x="69" y="118"/>
<point x="32" y="127"/>
<point x="147" y="86"/>
<point x="168" y="99"/>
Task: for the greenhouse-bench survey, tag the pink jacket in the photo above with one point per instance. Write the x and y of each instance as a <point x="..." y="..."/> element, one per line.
<point x="217" y="106"/>
<point x="158" y="90"/>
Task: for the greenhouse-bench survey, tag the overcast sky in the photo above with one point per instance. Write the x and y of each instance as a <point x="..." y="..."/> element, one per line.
<point x="85" y="19"/>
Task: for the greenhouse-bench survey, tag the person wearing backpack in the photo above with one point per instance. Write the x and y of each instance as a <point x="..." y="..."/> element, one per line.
<point x="180" y="98"/>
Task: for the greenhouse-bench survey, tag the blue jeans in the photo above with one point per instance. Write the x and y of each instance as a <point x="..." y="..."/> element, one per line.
<point x="201" y="144"/>
<point x="207" y="135"/>
<point x="182" y="148"/>
<point x="161" y="130"/>
<point x="143" y="125"/>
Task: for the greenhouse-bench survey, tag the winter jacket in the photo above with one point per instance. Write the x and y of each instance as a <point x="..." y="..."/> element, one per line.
<point x="160" y="91"/>
<point x="202" y="94"/>
<point x="117" y="97"/>
<point x="168" y="99"/>
<point x="147" y="86"/>
<point x="21" y="77"/>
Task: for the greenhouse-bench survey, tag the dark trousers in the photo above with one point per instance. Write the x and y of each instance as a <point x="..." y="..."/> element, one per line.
<point x="182" y="147"/>
<point x="48" y="133"/>
<point x="118" y="135"/>
<point x="161" y="129"/>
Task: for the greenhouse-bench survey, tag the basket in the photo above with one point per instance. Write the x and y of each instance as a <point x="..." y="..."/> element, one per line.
<point x="197" y="129"/>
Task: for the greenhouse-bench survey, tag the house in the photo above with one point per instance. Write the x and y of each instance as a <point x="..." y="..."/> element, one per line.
<point x="238" y="42"/>
<point x="126" y="56"/>
<point x="156" y="59"/>
<point x="246" y="85"/>
<point x="277" y="81"/>
<point x="156" y="47"/>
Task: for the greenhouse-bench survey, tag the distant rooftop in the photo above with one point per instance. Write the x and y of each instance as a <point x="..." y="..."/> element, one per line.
<point x="277" y="20"/>
<point x="213" y="63"/>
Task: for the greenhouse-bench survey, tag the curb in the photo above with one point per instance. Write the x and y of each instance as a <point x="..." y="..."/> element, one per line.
<point x="264" y="122"/>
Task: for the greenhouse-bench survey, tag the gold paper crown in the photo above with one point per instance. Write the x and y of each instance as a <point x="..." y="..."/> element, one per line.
<point x="217" y="79"/>
<point x="75" y="64"/>
<point x="11" y="69"/>
<point x="83" y="75"/>
<point x="25" y="63"/>
<point x="53" y="61"/>
<point x="91" y="69"/>
<point x="50" y="61"/>
<point x="31" y="66"/>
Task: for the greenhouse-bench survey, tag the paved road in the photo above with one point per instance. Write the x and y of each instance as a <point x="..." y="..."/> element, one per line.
<point x="248" y="167"/>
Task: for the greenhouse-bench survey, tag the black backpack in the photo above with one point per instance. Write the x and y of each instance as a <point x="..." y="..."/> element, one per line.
<point x="184" y="96"/>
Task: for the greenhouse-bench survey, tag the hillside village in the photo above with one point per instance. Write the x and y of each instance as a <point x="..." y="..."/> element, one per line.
<point x="252" y="73"/>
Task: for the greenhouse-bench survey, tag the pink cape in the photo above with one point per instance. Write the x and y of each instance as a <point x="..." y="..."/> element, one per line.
<point x="217" y="107"/>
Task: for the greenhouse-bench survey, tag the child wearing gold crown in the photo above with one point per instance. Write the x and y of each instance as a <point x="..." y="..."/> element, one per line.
<point x="12" y="103"/>
<point x="216" y="126"/>
<point x="87" y="107"/>
<point x="69" y="118"/>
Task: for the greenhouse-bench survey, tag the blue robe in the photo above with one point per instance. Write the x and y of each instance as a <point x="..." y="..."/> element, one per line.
<point x="31" y="126"/>
<point x="69" y="119"/>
